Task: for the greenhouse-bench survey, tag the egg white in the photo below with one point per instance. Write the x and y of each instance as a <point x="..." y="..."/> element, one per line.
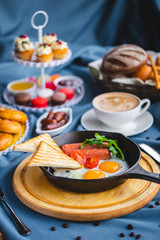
<point x="78" y="173"/>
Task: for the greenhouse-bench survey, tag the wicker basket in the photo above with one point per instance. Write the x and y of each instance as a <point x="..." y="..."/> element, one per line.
<point x="142" y="91"/>
<point x="107" y="85"/>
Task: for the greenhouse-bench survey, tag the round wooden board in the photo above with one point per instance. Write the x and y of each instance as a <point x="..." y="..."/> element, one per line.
<point x="34" y="190"/>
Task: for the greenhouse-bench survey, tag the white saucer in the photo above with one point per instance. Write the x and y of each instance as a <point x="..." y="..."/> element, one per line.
<point x="90" y="122"/>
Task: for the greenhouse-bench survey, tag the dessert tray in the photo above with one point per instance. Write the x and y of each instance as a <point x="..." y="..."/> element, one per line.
<point x="23" y="134"/>
<point x="78" y="95"/>
<point x="78" y="92"/>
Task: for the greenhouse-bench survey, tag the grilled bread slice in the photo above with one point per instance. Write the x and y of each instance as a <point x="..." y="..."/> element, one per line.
<point x="32" y="144"/>
<point x="47" y="156"/>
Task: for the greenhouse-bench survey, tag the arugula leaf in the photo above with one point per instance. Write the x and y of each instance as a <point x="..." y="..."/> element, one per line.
<point x="101" y="140"/>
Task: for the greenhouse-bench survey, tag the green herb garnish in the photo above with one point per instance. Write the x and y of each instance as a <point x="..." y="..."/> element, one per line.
<point x="101" y="140"/>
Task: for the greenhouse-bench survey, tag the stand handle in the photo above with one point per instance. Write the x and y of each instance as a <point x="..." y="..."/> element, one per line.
<point x="39" y="27"/>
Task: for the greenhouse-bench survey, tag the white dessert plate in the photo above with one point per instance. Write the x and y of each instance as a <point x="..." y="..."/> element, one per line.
<point x="34" y="63"/>
<point x="89" y="121"/>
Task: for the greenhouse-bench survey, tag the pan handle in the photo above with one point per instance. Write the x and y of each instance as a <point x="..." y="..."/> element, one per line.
<point x="139" y="173"/>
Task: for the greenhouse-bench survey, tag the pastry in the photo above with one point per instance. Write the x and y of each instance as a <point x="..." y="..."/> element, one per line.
<point x="39" y="80"/>
<point x="143" y="73"/>
<point x="44" y="53"/>
<point x="45" y="93"/>
<point x="158" y="61"/>
<point x="48" y="156"/>
<point x="25" y="50"/>
<point x="156" y="71"/>
<point x="49" y="38"/>
<point x="21" y="39"/>
<point x="69" y="92"/>
<point x="32" y="144"/>
<point x="124" y="59"/>
<point x="39" y="102"/>
<point x="60" y="49"/>
<point x="49" y="81"/>
<point x="5" y="140"/>
<point x="9" y="126"/>
<point x="22" y="99"/>
<point x="12" y="114"/>
<point x="58" y="98"/>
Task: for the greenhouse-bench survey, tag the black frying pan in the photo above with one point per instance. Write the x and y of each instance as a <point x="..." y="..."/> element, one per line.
<point x="132" y="156"/>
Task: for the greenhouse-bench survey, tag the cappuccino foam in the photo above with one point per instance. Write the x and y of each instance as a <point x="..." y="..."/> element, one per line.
<point x="117" y="103"/>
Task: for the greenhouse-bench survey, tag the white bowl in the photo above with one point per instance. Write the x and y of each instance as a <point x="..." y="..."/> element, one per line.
<point x="58" y="130"/>
<point x="77" y="82"/>
<point x="31" y="90"/>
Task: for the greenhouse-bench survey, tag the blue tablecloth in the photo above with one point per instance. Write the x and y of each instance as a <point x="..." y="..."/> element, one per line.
<point x="88" y="43"/>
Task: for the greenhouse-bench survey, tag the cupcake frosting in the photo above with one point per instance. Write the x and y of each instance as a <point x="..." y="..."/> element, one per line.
<point x="43" y="50"/>
<point x="24" y="46"/>
<point x="59" y="45"/>
<point x="49" y="38"/>
<point x="21" y="39"/>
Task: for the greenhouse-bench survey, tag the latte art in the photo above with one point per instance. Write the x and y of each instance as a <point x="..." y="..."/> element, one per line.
<point x="117" y="103"/>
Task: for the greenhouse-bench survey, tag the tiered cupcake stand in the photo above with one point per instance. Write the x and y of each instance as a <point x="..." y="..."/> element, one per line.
<point x="9" y="98"/>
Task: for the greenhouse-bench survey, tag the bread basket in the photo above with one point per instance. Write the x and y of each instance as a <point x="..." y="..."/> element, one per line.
<point x="131" y="85"/>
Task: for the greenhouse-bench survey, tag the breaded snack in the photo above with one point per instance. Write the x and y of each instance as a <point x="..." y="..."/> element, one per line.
<point x="158" y="61"/>
<point x="32" y="144"/>
<point x="48" y="156"/>
<point x="156" y="70"/>
<point x="9" y="126"/>
<point x="5" y="140"/>
<point x="15" y="115"/>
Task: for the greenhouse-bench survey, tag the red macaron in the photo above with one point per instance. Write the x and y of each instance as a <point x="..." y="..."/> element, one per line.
<point x="69" y="92"/>
<point x="39" y="102"/>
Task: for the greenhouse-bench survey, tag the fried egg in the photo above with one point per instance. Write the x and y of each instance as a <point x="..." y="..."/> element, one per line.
<point x="105" y="168"/>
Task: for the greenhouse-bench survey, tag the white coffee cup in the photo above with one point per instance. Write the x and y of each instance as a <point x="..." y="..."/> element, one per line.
<point x="119" y="109"/>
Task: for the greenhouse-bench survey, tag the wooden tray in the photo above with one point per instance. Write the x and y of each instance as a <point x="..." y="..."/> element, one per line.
<point x="34" y="190"/>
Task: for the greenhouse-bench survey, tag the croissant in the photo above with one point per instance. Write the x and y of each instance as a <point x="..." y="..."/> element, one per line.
<point x="12" y="114"/>
<point x="5" y="140"/>
<point x="9" y="126"/>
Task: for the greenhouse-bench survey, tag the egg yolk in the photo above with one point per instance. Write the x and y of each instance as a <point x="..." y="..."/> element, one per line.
<point x="93" y="174"/>
<point x="109" y="166"/>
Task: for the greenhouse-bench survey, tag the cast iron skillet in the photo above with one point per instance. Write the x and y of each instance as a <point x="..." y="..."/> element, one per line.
<point x="132" y="156"/>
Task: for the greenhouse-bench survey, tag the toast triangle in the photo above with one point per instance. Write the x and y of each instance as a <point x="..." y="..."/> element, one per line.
<point x="32" y="144"/>
<point x="47" y="156"/>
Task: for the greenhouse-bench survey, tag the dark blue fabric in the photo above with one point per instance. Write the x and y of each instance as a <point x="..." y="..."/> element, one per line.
<point x="89" y="27"/>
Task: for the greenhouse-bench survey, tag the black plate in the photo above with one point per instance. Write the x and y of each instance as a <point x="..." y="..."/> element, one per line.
<point x="132" y="155"/>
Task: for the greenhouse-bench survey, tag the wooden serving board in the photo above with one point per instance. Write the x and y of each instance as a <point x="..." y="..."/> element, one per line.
<point x="34" y="190"/>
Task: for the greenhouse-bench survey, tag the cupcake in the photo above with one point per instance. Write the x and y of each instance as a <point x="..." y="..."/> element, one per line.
<point x="60" y="49"/>
<point x="49" y="39"/>
<point x="24" y="50"/>
<point x="44" y="53"/>
<point x="21" y="39"/>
